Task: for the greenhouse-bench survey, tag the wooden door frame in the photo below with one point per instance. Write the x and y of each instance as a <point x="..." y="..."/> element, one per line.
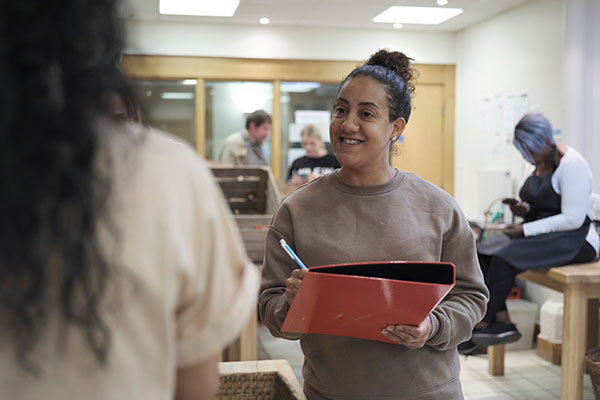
<point x="276" y="71"/>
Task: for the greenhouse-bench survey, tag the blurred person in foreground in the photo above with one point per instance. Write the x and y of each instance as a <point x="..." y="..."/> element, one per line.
<point x="121" y="272"/>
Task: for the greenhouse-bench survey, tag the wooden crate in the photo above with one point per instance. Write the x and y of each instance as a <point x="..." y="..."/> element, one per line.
<point x="253" y="197"/>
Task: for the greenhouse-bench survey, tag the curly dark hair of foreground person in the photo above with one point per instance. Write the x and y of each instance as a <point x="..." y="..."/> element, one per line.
<point x="51" y="197"/>
<point x="108" y="78"/>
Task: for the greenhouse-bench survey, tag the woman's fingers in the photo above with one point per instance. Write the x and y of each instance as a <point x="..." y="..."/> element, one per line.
<point x="413" y="337"/>
<point x="292" y="284"/>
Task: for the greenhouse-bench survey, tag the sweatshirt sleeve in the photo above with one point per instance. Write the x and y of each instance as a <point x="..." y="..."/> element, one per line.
<point x="575" y="186"/>
<point x="277" y="267"/>
<point x="454" y="318"/>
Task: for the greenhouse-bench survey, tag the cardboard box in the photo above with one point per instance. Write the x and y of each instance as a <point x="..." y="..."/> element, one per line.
<point x="549" y="350"/>
<point x="360" y="299"/>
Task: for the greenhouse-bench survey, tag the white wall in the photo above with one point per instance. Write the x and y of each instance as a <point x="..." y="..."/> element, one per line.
<point x="277" y="42"/>
<point x="582" y="81"/>
<point x="548" y="49"/>
<point x="521" y="50"/>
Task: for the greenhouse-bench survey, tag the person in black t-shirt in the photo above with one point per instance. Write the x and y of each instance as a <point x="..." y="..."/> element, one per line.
<point x="317" y="160"/>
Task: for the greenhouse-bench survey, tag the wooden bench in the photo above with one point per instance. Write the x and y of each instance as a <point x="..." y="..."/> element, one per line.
<point x="580" y="284"/>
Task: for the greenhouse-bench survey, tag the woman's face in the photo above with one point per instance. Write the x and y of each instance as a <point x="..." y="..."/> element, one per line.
<point x="360" y="129"/>
<point x="543" y="156"/>
<point x="259" y="132"/>
<point x="312" y="146"/>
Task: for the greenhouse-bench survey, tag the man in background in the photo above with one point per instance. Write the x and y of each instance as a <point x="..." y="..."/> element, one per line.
<point x="245" y="148"/>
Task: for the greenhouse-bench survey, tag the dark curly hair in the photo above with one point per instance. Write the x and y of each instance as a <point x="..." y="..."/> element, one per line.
<point x="104" y="79"/>
<point x="52" y="196"/>
<point x="392" y="69"/>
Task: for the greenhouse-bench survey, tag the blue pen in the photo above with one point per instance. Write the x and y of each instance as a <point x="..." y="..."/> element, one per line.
<point x="291" y="253"/>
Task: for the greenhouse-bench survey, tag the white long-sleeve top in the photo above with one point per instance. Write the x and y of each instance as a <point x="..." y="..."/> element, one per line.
<point x="572" y="180"/>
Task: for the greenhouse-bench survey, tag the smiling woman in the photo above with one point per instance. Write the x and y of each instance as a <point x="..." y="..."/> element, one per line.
<point x="371" y="112"/>
<point x="369" y="211"/>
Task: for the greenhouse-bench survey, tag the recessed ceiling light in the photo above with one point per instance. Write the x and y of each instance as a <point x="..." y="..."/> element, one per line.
<point x="176" y="96"/>
<point x="398" y="25"/>
<point x="442" y="2"/>
<point x="417" y="15"/>
<point x="189" y="81"/>
<point x="264" y="20"/>
<point x="208" y="8"/>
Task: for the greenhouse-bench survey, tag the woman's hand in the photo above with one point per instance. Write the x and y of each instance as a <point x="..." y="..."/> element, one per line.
<point x="413" y="337"/>
<point x="518" y="208"/>
<point x="292" y="284"/>
<point x="513" y="231"/>
<point x="312" y="176"/>
<point x="298" y="180"/>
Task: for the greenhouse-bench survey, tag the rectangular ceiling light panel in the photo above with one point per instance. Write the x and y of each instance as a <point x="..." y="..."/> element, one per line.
<point x="417" y="15"/>
<point x="206" y="8"/>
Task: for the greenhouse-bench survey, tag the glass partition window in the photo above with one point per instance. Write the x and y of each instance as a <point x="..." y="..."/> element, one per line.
<point x="303" y="103"/>
<point x="227" y="106"/>
<point x="168" y="105"/>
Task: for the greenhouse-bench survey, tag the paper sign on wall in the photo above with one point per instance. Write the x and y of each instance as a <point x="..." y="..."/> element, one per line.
<point x="319" y="118"/>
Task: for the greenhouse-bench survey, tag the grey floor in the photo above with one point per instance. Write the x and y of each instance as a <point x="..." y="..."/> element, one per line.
<point x="527" y="376"/>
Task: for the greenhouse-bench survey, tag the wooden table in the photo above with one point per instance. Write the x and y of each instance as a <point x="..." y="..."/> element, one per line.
<point x="580" y="284"/>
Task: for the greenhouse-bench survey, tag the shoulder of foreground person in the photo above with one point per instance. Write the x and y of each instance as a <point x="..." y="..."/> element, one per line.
<point x="161" y="150"/>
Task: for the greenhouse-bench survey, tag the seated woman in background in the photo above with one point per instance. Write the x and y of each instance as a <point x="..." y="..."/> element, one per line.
<point x="122" y="274"/>
<point x="317" y="160"/>
<point x="557" y="207"/>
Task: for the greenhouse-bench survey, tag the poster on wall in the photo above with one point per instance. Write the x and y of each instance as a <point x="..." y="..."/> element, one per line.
<point x="509" y="123"/>
<point x="521" y="106"/>
<point x="317" y="117"/>
<point x="497" y="123"/>
<point x="485" y="118"/>
<point x="499" y="114"/>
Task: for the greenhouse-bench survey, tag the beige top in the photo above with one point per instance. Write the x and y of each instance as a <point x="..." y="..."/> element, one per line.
<point x="184" y="286"/>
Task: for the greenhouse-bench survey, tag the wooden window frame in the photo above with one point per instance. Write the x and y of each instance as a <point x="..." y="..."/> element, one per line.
<point x="276" y="71"/>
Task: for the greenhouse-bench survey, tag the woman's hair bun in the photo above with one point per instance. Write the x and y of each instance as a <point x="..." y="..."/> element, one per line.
<point x="397" y="62"/>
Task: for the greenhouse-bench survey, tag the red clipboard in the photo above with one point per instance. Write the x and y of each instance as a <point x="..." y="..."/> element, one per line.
<point x="360" y="299"/>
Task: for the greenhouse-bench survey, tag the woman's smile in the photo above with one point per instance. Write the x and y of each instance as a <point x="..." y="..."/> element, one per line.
<point x="351" y="141"/>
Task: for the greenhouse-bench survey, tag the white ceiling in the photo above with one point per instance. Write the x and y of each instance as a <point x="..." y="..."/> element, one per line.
<point x="328" y="13"/>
